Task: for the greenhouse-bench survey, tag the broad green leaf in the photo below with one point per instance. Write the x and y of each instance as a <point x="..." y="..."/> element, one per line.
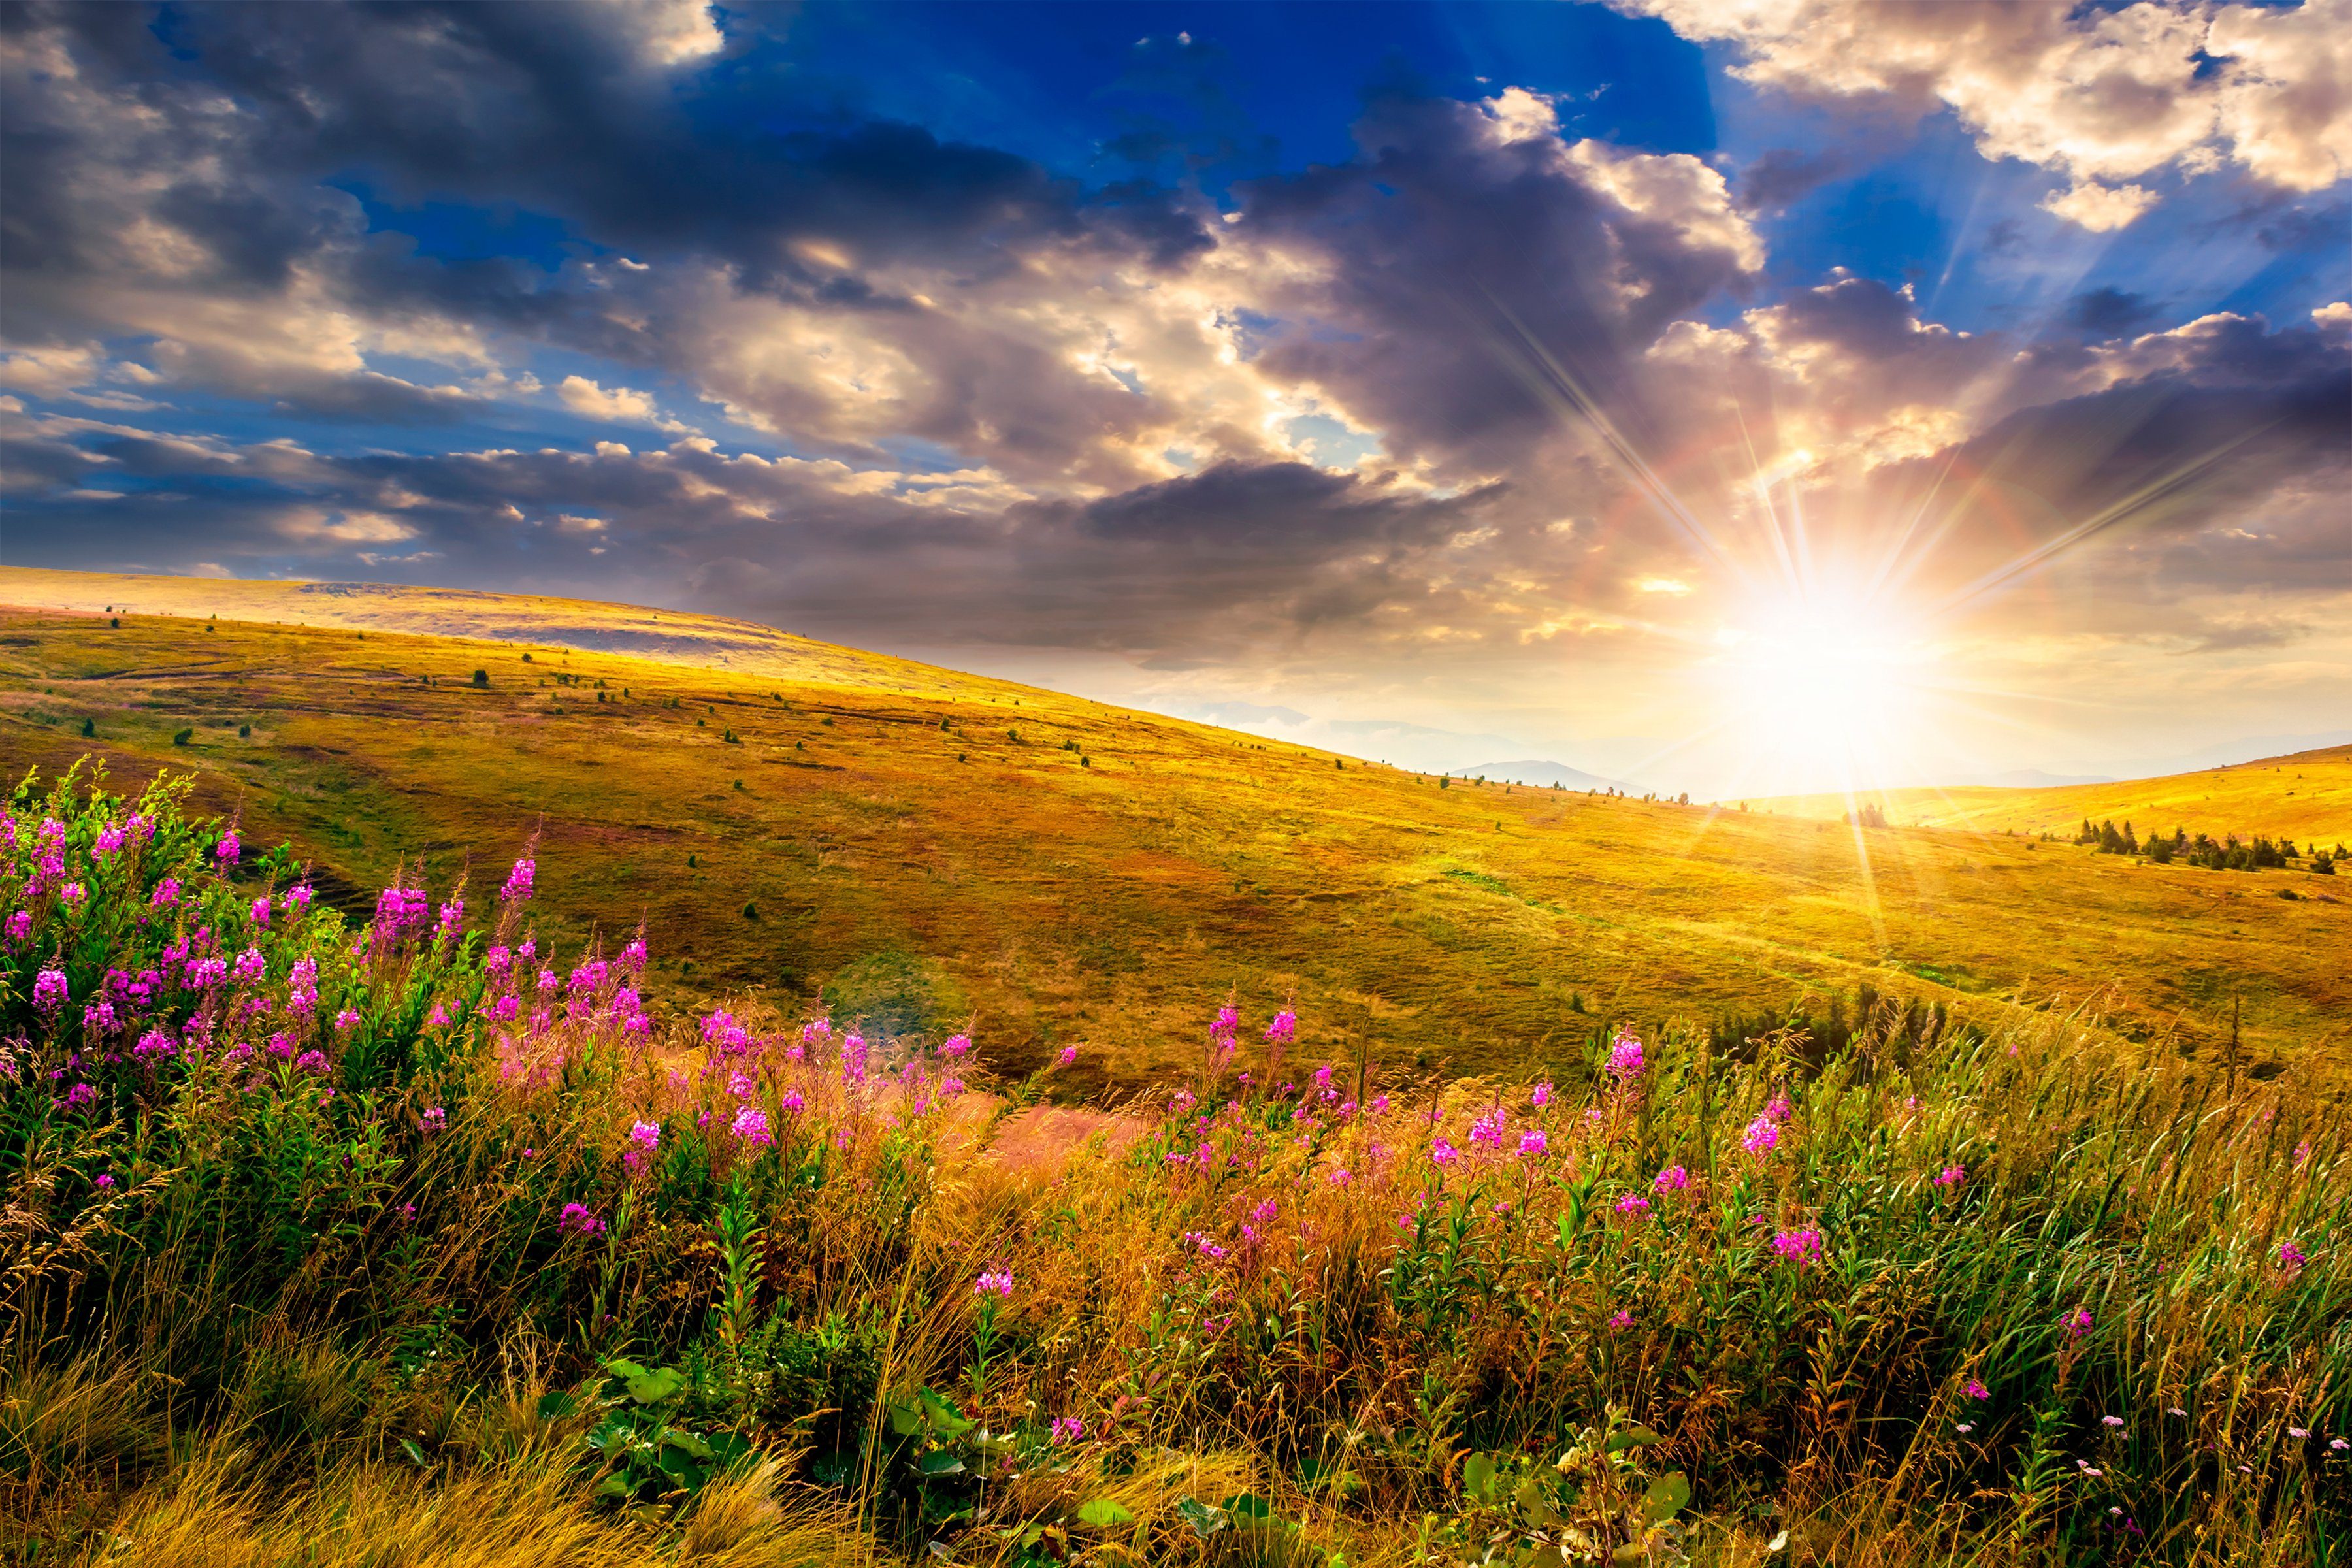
<point x="938" y="1462"/>
<point x="1666" y="1496"/>
<point x="1630" y="1437"/>
<point x="1478" y="1476"/>
<point x="558" y="1405"/>
<point x="408" y="1446"/>
<point x="653" y="1387"/>
<point x="624" y="1369"/>
<point x="1102" y="1513"/>
<point x="1249" y="1511"/>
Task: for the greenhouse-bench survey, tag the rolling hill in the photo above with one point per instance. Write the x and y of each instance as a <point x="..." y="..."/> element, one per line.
<point x="787" y="814"/>
<point x="2306" y="796"/>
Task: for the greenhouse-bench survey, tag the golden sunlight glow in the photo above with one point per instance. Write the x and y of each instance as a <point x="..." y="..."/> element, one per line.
<point x="1830" y="690"/>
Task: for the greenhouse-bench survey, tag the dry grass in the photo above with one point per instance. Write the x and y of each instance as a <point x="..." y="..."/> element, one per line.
<point x="1459" y="929"/>
<point x="2306" y="797"/>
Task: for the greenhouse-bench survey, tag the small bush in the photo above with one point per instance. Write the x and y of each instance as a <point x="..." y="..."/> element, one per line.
<point x="182" y="737"/>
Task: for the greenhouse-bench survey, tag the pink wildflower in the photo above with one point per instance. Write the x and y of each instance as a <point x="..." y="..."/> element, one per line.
<point x="1798" y="1246"/>
<point x="1625" y="1056"/>
<point x="999" y="1281"/>
<point x="50" y="991"/>
<point x="1762" y="1136"/>
<point x="1673" y="1179"/>
<point x="517" y="888"/>
<point x="1069" y="1054"/>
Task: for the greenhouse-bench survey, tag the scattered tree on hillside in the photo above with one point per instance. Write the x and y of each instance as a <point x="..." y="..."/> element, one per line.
<point x="1870" y="815"/>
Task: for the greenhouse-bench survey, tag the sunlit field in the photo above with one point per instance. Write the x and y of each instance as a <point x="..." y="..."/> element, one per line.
<point x="416" y="1236"/>
<point x="1069" y="873"/>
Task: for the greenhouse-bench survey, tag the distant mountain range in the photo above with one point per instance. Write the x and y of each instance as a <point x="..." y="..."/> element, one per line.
<point x="1543" y="774"/>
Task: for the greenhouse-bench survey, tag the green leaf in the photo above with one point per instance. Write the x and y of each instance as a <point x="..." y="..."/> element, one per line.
<point x="686" y="1443"/>
<point x="624" y="1369"/>
<point x="1205" y="1521"/>
<point x="616" y="1487"/>
<point x="653" y="1388"/>
<point x="1102" y="1513"/>
<point x="938" y="1462"/>
<point x="1478" y="1477"/>
<point x="729" y="1447"/>
<point x="905" y="1420"/>
<point x="945" y="1418"/>
<point x="1630" y="1437"/>
<point x="1249" y="1512"/>
<point x="415" y="1454"/>
<point x="1666" y="1496"/>
<point x="558" y="1405"/>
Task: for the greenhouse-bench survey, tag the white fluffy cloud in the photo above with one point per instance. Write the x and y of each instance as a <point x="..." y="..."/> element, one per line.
<point x="2104" y="97"/>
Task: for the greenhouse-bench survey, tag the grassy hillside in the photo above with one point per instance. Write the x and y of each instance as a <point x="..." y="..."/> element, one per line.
<point x="350" y="1247"/>
<point x="2307" y="795"/>
<point x="1072" y="873"/>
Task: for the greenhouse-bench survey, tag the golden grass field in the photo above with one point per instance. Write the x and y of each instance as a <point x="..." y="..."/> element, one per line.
<point x="1087" y="875"/>
<point x="2305" y="798"/>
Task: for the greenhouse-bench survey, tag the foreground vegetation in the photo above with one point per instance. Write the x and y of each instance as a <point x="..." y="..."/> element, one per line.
<point x="824" y="827"/>
<point x="404" y="1240"/>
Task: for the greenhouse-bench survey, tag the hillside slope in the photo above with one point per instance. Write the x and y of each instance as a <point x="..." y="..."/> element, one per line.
<point x="1075" y="873"/>
<point x="2304" y="797"/>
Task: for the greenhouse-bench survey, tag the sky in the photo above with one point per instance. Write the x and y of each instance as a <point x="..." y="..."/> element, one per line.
<point x="1725" y="396"/>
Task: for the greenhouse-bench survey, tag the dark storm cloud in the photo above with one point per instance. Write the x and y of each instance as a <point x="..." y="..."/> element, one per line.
<point x="1456" y="251"/>
<point x="184" y="161"/>
<point x="2107" y="311"/>
<point x="1286" y="508"/>
<point x="1782" y="174"/>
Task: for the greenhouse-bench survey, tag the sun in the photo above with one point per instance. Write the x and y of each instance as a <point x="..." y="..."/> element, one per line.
<point x="1833" y="691"/>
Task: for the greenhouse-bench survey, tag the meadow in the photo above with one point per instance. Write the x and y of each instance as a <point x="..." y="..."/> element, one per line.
<point x="2306" y="797"/>
<point x="419" y="1238"/>
<point x="813" y="824"/>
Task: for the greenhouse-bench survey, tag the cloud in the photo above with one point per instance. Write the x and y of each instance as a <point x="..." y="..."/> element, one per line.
<point x="2104" y="95"/>
<point x="620" y="405"/>
<point x="1445" y="284"/>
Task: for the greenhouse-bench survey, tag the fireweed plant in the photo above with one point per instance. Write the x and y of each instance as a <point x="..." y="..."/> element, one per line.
<point x="1996" y="1294"/>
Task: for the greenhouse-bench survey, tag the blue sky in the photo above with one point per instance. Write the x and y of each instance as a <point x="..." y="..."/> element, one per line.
<point x="1598" y="376"/>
